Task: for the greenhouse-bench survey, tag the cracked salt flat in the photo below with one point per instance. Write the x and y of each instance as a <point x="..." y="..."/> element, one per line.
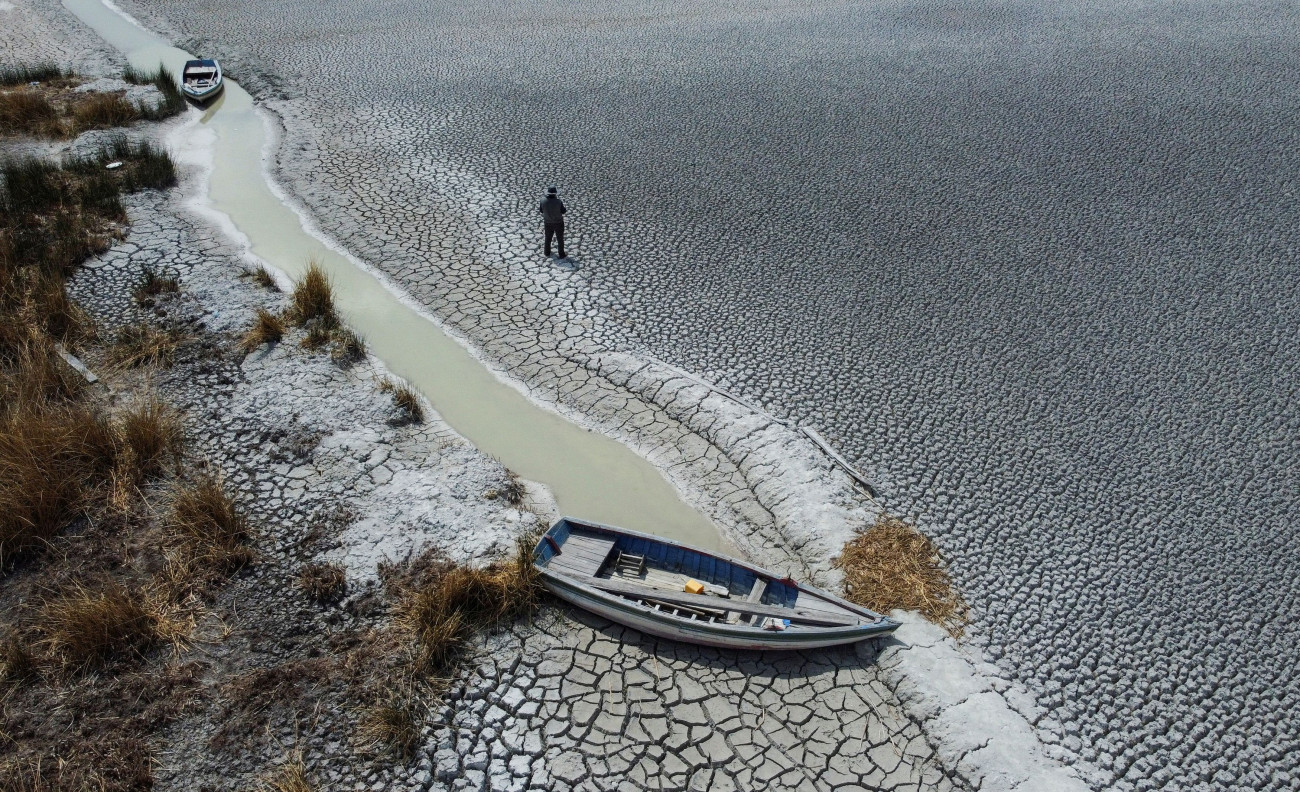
<point x="1044" y="260"/>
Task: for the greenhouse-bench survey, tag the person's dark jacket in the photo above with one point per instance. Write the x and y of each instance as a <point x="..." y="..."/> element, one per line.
<point x="552" y="210"/>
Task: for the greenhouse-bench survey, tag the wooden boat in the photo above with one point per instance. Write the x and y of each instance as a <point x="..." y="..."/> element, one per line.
<point x="201" y="79"/>
<point x="646" y="582"/>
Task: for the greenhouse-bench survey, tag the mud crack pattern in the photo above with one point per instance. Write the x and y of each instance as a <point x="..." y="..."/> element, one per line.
<point x="1032" y="266"/>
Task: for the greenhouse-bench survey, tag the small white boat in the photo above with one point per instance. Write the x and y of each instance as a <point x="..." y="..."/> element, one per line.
<point x="201" y="79"/>
<point x="675" y="591"/>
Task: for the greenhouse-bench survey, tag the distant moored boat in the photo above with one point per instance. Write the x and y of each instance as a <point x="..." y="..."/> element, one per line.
<point x="201" y="79"/>
<point x="675" y="591"/>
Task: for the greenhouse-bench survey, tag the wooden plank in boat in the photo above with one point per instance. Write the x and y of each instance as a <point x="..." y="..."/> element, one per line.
<point x="582" y="556"/>
<point x="701" y="601"/>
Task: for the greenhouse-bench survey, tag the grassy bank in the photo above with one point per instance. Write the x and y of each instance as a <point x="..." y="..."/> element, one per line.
<point x="109" y="542"/>
<point x="41" y="100"/>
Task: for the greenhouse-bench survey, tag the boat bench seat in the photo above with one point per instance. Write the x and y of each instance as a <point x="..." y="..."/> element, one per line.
<point x="582" y="555"/>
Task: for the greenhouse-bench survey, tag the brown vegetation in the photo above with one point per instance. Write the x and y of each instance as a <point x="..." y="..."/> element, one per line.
<point x="892" y="565"/>
<point x="152" y="284"/>
<point x="291" y="776"/>
<point x="204" y="514"/>
<point x="83" y="627"/>
<point x="393" y="723"/>
<point x="323" y="582"/>
<point x="262" y="277"/>
<point x="48" y="106"/>
<point x="53" y="457"/>
<point x="348" y="347"/>
<point x="405" y="398"/>
<point x="267" y="329"/>
<point x="144" y="345"/>
<point x="152" y="431"/>
<point x="448" y="603"/>
<point x="317" y="336"/>
<point x="313" y="299"/>
<point x="95" y="582"/>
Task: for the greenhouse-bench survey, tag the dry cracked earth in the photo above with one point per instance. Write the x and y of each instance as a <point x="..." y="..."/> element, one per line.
<point x="1032" y="266"/>
<point x="327" y="471"/>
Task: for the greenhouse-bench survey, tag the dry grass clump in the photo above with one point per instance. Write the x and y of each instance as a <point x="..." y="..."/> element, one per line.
<point x="262" y="277"/>
<point x="16" y="659"/>
<point x="36" y="72"/>
<point x="892" y="565"/>
<point x="405" y="398"/>
<point x="25" y="111"/>
<point x="83" y="627"/>
<point x="512" y="492"/>
<point x="142" y="344"/>
<point x="205" y="515"/>
<point x="153" y="432"/>
<point x="323" y="582"/>
<point x="393" y="723"/>
<point x="153" y="284"/>
<point x="103" y="111"/>
<point x="267" y="329"/>
<point x="290" y="776"/>
<point x="318" y="335"/>
<point x="313" y="299"/>
<point x="349" y="347"/>
<point x="49" y="106"/>
<point x="454" y="601"/>
<point x="52" y="457"/>
<point x="173" y="101"/>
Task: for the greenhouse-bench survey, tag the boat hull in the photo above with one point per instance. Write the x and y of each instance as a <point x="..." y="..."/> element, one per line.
<point x="205" y="95"/>
<point x="575" y="580"/>
<point x="674" y="629"/>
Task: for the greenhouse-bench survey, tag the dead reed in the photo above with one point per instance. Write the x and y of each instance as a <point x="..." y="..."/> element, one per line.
<point x="405" y="398"/>
<point x="144" y="345"/>
<point x="317" y="336"/>
<point x="393" y="723"/>
<point x="103" y="111"/>
<point x="323" y="582"/>
<point x="289" y="776"/>
<point x="262" y="277"/>
<point x="152" y="431"/>
<point x="30" y="73"/>
<point x="83" y="627"/>
<point x="152" y="283"/>
<point x="51" y="459"/>
<point x="455" y="601"/>
<point x="892" y="565"/>
<point x="212" y="525"/>
<point x="313" y="299"/>
<point x="349" y="347"/>
<point x="24" y="111"/>
<point x="267" y="329"/>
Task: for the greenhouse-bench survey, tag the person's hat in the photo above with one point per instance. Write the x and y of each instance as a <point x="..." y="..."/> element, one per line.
<point x="551" y="191"/>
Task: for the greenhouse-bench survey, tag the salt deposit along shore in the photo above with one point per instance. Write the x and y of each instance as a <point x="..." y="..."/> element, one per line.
<point x="780" y="499"/>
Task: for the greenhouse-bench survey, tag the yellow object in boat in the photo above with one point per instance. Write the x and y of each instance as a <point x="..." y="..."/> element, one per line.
<point x="694" y="587"/>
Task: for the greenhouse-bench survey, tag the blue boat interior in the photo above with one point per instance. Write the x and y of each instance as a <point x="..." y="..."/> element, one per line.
<point x="671" y="557"/>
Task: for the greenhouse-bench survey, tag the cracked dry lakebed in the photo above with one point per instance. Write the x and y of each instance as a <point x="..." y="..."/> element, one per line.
<point x="1030" y="266"/>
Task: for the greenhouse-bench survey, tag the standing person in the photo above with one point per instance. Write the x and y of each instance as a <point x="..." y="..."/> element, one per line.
<point x="553" y="210"/>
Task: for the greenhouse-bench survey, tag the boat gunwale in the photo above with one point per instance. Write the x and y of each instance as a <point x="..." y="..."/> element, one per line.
<point x="741" y="632"/>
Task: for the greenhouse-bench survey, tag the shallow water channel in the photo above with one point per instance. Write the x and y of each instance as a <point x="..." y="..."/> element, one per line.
<point x="591" y="476"/>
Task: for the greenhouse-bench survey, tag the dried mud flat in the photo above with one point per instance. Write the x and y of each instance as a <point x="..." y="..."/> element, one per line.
<point x="328" y="469"/>
<point x="1032" y="266"/>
